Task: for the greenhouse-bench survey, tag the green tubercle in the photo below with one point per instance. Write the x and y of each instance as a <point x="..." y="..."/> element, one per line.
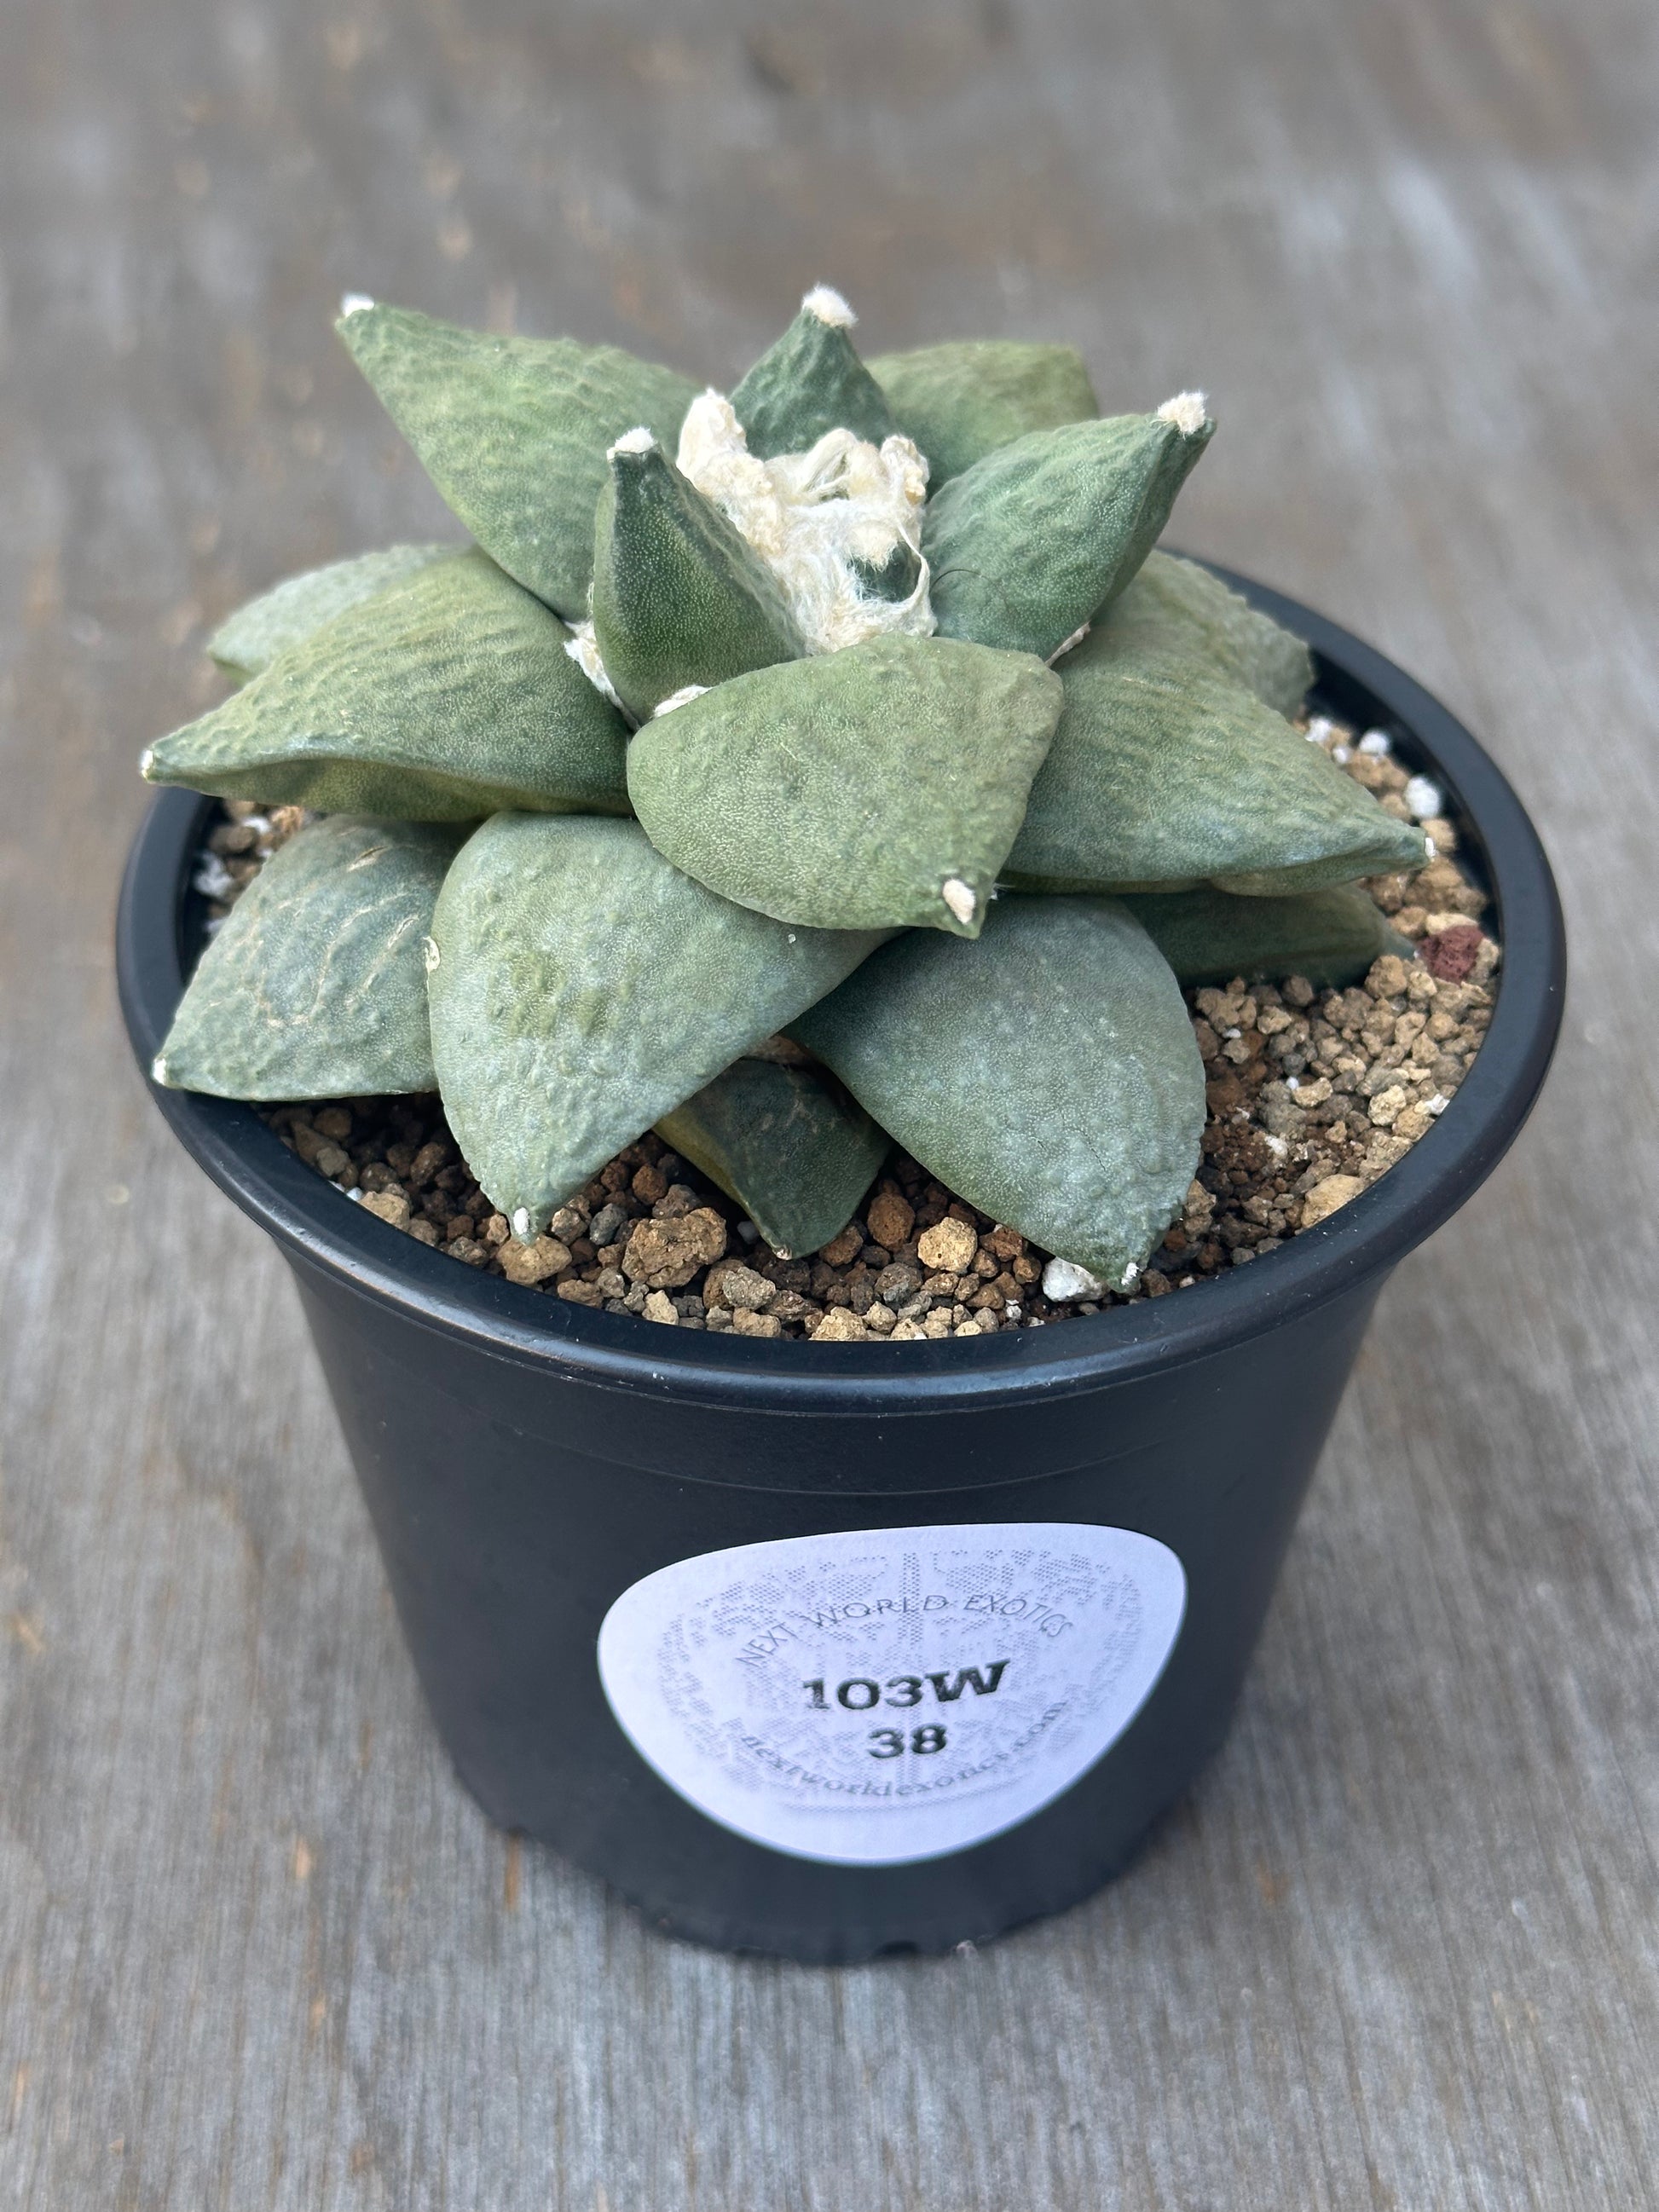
<point x="246" y="643"/>
<point x="787" y="1143"/>
<point x="1035" y="540"/>
<point x="960" y="402"/>
<point x="1166" y="772"/>
<point x="1046" y="1073"/>
<point x="870" y="788"/>
<point x="809" y="381"/>
<point x="1331" y="937"/>
<point x="679" y="596"/>
<point x="442" y="699"/>
<point x="515" y="431"/>
<point x="315" y="984"/>
<point x="1174" y="606"/>
<point x="582" y="988"/>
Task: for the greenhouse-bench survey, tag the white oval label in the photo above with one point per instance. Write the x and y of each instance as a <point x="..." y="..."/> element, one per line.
<point x="887" y="1694"/>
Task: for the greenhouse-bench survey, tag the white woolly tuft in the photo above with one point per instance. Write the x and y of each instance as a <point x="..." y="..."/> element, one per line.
<point x="521" y="1222"/>
<point x="584" y="649"/>
<point x="683" y="697"/>
<point x="633" y="442"/>
<point x="430" y="954"/>
<point x="1187" y="411"/>
<point x="827" y="305"/>
<point x="354" y="303"/>
<point x="818" y="519"/>
<point x="146" y="760"/>
<point x="960" y="898"/>
<point x="158" y="1068"/>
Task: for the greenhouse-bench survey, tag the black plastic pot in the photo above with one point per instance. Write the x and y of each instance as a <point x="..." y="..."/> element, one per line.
<point x="1101" y="1506"/>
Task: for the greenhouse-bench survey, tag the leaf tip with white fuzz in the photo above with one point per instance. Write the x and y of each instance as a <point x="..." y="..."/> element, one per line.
<point x="1188" y="411"/>
<point x="827" y="305"/>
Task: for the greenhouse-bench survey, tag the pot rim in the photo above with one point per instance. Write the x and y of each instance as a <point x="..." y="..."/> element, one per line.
<point x="319" y="1228"/>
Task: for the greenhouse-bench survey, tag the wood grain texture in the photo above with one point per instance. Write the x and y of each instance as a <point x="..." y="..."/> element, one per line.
<point x="1400" y="1950"/>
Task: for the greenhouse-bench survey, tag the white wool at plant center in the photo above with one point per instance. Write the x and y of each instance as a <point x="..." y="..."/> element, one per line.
<point x="813" y="516"/>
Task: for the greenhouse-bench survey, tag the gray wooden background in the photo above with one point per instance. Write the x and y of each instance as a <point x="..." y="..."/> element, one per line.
<point x="1401" y="1947"/>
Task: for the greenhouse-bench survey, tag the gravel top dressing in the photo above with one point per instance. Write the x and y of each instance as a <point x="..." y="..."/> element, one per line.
<point x="1312" y="1095"/>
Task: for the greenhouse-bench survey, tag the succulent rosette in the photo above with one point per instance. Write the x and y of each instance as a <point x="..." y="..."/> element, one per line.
<point x="832" y="764"/>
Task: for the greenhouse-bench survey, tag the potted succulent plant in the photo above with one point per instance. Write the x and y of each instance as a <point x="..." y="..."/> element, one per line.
<point x="832" y="767"/>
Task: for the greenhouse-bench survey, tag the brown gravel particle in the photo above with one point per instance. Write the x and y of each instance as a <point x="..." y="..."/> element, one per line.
<point x="747" y="1322"/>
<point x="426" y="1162"/>
<point x="1326" y="1196"/>
<point x="891" y="1218"/>
<point x="745" y="1290"/>
<point x="845" y="1247"/>
<point x="840" y="1326"/>
<point x="528" y="1264"/>
<point x="390" y="1205"/>
<point x="678" y="1199"/>
<point x="1449" y="954"/>
<point x="949" y="1246"/>
<point x="665" y="1253"/>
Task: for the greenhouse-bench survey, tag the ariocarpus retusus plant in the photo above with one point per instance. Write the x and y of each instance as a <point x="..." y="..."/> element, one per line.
<point x="856" y="707"/>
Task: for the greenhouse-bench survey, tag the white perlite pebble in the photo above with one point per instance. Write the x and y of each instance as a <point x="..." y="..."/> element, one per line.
<point x="956" y="895"/>
<point x="1187" y="411"/>
<point x="1378" y="744"/>
<point x="1321" y="730"/>
<point x="213" y="878"/>
<point x="827" y="305"/>
<point x="354" y="303"/>
<point x="1424" y="798"/>
<point x="1063" y="1281"/>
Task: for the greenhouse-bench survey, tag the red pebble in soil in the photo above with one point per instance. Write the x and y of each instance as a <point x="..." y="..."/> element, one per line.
<point x="1450" y="956"/>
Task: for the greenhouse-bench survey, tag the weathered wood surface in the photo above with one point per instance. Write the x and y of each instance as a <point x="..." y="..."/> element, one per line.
<point x="1402" y="1948"/>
